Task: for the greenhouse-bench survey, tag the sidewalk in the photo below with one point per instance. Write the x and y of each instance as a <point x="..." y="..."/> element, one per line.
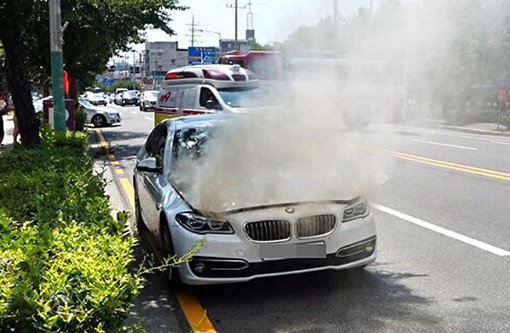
<point x="474" y="128"/>
<point x="8" y="129"/>
<point x="480" y="128"/>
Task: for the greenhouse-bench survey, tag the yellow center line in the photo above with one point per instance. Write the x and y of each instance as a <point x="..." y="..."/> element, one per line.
<point x="450" y="165"/>
<point x="193" y="310"/>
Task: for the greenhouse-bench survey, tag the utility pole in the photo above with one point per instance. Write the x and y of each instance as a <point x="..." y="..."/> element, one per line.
<point x="236" y="7"/>
<point x="193" y="30"/>
<point x="59" y="111"/>
<point x="134" y="69"/>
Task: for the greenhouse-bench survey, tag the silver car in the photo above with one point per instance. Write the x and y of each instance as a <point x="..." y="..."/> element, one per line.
<point x="99" y="116"/>
<point x="242" y="243"/>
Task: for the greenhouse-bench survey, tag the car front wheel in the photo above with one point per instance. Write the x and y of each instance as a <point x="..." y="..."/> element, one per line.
<point x="171" y="272"/>
<point x="99" y="121"/>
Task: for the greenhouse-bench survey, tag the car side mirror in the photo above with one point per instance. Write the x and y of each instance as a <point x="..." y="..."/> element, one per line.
<point x="149" y="165"/>
<point x="212" y="105"/>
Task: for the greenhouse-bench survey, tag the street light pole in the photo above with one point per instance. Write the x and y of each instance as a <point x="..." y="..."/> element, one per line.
<point x="213" y="32"/>
<point x="59" y="113"/>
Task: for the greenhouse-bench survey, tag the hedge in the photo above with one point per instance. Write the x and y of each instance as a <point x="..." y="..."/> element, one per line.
<point x="65" y="262"/>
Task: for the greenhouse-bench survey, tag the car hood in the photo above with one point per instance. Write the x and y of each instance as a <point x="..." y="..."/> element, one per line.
<point x="102" y="109"/>
<point x="220" y="199"/>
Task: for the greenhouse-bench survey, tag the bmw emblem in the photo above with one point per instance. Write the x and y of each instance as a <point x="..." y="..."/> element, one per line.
<point x="290" y="210"/>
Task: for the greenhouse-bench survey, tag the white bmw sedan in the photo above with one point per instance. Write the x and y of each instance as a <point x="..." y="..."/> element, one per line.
<point x="245" y="241"/>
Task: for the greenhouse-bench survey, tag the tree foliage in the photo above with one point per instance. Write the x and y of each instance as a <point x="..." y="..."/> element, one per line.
<point x="446" y="48"/>
<point x="97" y="30"/>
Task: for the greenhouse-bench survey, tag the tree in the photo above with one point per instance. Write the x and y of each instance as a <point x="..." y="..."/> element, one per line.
<point x="97" y="30"/>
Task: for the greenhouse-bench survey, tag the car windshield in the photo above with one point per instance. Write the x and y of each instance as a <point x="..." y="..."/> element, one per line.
<point x="189" y="144"/>
<point x="250" y="98"/>
<point x="86" y="103"/>
<point x="131" y="93"/>
<point x="95" y="95"/>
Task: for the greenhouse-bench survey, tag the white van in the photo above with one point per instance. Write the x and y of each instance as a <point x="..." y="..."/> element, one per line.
<point x="205" y="89"/>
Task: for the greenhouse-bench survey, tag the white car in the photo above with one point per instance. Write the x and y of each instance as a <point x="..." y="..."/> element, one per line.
<point x="95" y="98"/>
<point x="148" y="100"/>
<point x="99" y="116"/>
<point x="243" y="241"/>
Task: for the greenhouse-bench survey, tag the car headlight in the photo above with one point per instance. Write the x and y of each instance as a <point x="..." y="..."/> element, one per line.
<point x="356" y="210"/>
<point x="203" y="225"/>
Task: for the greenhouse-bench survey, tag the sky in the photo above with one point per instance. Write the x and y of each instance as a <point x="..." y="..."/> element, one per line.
<point x="273" y="20"/>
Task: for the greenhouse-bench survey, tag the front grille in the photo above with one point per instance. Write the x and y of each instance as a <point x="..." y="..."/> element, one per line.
<point x="315" y="225"/>
<point x="266" y="231"/>
<point x="239" y="77"/>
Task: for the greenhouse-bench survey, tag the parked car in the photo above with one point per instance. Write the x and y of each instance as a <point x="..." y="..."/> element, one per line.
<point x="118" y="99"/>
<point x="99" y="116"/>
<point x="148" y="100"/>
<point x="244" y="241"/>
<point x="39" y="104"/>
<point x="95" y="98"/>
<point x="129" y="97"/>
<point x="120" y="90"/>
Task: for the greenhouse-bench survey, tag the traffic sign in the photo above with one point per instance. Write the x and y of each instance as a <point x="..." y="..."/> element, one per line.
<point x="201" y="55"/>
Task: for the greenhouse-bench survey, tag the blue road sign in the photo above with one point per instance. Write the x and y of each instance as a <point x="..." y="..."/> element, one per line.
<point x="201" y="55"/>
<point x="107" y="82"/>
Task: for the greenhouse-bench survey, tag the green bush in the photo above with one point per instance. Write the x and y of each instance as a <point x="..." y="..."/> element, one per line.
<point x="80" y="119"/>
<point x="65" y="262"/>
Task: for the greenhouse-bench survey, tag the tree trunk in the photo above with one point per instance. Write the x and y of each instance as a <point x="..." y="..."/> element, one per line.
<point x="18" y="83"/>
<point x="73" y="89"/>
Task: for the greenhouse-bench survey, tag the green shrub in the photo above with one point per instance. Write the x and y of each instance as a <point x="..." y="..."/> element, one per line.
<point x="65" y="262"/>
<point x="80" y="118"/>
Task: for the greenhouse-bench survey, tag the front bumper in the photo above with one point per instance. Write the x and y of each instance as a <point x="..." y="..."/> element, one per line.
<point x="113" y="119"/>
<point x="230" y="259"/>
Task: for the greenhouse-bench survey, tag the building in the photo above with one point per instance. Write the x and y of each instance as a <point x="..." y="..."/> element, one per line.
<point x="160" y="57"/>
<point x="227" y="45"/>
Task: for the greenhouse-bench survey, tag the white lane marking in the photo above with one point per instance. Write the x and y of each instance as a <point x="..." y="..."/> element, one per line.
<point x="443" y="231"/>
<point x="148" y="118"/>
<point x="133" y="112"/>
<point x="501" y="143"/>
<point x="445" y="144"/>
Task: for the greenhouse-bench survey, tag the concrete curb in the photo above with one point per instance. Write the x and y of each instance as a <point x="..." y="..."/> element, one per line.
<point x="474" y="130"/>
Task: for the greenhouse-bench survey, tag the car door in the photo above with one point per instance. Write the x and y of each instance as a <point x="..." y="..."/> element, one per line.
<point x="151" y="184"/>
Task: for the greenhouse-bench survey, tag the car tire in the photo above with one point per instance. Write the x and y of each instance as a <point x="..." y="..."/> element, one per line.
<point x="140" y="223"/>
<point x="171" y="273"/>
<point x="99" y="121"/>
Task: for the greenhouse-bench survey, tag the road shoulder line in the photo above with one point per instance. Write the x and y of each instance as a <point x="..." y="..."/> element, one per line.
<point x="193" y="311"/>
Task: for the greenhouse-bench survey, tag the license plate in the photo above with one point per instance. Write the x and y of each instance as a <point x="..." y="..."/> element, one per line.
<point x="292" y="251"/>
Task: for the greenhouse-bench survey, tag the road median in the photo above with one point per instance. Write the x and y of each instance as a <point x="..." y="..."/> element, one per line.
<point x="66" y="262"/>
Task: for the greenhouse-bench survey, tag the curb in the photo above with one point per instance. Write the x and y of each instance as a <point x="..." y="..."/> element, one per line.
<point x="474" y="130"/>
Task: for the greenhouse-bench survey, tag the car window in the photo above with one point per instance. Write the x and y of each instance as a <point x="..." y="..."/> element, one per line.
<point x="155" y="145"/>
<point x="85" y="103"/>
<point x="190" y="97"/>
<point x="205" y="95"/>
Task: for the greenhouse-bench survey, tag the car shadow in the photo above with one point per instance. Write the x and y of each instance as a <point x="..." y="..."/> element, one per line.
<point x="371" y="299"/>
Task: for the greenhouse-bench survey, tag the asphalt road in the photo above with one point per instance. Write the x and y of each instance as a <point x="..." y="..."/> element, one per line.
<point x="443" y="222"/>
